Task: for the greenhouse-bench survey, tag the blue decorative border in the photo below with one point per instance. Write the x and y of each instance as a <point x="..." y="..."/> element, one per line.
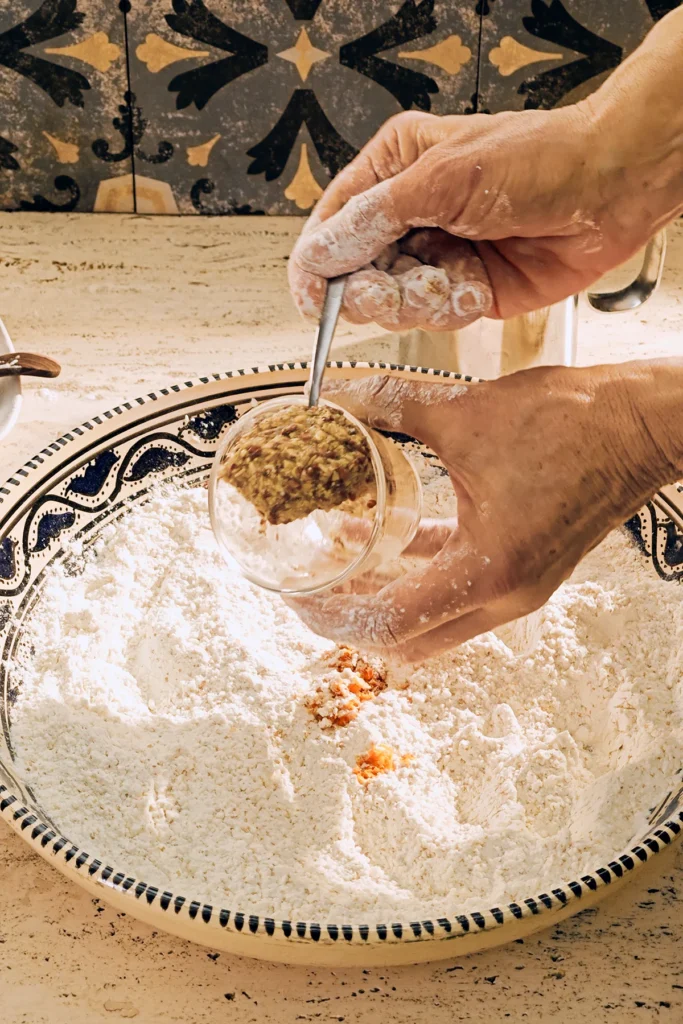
<point x="206" y="423"/>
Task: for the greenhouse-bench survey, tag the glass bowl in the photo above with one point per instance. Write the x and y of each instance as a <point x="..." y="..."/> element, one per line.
<point x="325" y="548"/>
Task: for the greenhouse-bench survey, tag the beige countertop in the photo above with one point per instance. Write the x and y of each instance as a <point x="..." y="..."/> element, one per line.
<point x="126" y="305"/>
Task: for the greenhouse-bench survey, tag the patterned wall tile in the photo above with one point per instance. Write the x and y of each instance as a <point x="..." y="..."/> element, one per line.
<point x="63" y="76"/>
<point x="546" y="53"/>
<point x="230" y="106"/>
<point x="252" y="105"/>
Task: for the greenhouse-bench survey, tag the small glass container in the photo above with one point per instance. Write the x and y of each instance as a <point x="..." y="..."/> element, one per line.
<point x="325" y="548"/>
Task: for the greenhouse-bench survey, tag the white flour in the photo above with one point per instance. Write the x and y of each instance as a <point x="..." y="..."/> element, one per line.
<point x="163" y="724"/>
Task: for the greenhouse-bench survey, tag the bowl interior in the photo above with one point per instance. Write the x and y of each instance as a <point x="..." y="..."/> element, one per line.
<point x="96" y="472"/>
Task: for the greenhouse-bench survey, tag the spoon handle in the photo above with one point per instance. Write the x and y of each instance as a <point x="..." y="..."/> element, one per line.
<point x="14" y="364"/>
<point x="323" y="339"/>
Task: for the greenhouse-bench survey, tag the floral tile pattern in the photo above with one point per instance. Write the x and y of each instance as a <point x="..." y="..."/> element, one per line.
<point x="547" y="53"/>
<point x="257" y="104"/>
<point x="213" y="106"/>
<point x="251" y="106"/>
<point x="63" y="75"/>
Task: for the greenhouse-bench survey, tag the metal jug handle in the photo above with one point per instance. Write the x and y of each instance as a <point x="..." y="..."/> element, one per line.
<point x="640" y="290"/>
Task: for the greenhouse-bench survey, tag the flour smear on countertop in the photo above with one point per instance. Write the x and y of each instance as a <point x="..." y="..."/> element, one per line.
<point x="164" y="723"/>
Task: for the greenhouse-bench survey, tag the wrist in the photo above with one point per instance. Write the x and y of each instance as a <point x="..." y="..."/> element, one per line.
<point x="642" y="417"/>
<point x="655" y="391"/>
<point x="635" y="129"/>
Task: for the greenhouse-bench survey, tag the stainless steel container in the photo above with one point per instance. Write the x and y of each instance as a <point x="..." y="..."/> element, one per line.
<point x="546" y="337"/>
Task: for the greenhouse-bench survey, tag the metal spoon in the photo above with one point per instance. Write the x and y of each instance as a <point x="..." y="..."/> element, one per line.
<point x="14" y="364"/>
<point x="638" y="291"/>
<point x="323" y="339"/>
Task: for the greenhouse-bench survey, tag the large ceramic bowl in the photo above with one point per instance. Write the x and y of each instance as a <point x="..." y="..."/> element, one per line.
<point x="10" y="389"/>
<point x="90" y="476"/>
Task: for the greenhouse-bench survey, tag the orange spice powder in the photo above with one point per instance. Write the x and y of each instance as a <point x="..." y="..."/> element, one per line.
<point x="353" y="679"/>
<point x="378" y="759"/>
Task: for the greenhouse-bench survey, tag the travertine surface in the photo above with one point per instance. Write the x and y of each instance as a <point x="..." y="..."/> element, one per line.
<point x="127" y="305"/>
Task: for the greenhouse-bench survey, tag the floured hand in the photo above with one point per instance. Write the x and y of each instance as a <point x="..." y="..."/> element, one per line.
<point x="544" y="464"/>
<point x="440" y="220"/>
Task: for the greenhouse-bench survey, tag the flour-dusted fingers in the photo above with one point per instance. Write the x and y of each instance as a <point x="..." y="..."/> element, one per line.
<point x="431" y="536"/>
<point x="398" y="301"/>
<point x="398" y="143"/>
<point x="357" y="233"/>
<point x="372" y="296"/>
<point x="409" y="406"/>
<point x="456" y="581"/>
<point x="444" y="638"/>
<point x="431" y="190"/>
<point x="308" y="289"/>
<point x="425" y="292"/>
<point x="469" y="289"/>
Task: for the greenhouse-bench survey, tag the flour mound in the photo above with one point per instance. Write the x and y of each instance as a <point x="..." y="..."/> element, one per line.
<point x="163" y="724"/>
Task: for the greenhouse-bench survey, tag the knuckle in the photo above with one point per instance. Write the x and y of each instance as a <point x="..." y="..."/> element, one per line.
<point x="374" y="396"/>
<point x="371" y="295"/>
<point x="381" y="634"/>
<point x="402" y="121"/>
<point x="381" y="623"/>
<point x="362" y="210"/>
<point x="410" y="119"/>
<point x="402" y="139"/>
<point x="390" y="391"/>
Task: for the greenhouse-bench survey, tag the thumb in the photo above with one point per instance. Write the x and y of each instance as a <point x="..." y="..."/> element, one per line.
<point x="366" y="225"/>
<point x="411" y="407"/>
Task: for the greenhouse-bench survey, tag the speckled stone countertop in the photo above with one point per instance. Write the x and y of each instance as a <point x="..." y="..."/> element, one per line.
<point x="127" y="305"/>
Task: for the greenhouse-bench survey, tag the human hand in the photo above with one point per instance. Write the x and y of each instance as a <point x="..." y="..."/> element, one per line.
<point x="493" y="215"/>
<point x="544" y="464"/>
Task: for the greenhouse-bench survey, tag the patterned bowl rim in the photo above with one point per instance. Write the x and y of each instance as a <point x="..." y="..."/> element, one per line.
<point x="666" y="819"/>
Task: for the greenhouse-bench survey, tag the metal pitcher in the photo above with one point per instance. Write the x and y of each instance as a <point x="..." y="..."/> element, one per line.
<point x="546" y="337"/>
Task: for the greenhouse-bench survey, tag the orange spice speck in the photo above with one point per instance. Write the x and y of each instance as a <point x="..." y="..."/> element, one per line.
<point x="378" y="759"/>
<point x="353" y="679"/>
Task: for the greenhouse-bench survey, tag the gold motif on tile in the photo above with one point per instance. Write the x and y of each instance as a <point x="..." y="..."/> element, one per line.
<point x="303" y="189"/>
<point x="304" y="55"/>
<point x="509" y="56"/>
<point x="118" y="195"/>
<point x="153" y="196"/>
<point x="115" y="195"/>
<point x="66" y="152"/>
<point x="198" y="156"/>
<point x="96" y="51"/>
<point x="450" y="55"/>
<point x="158" y="53"/>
